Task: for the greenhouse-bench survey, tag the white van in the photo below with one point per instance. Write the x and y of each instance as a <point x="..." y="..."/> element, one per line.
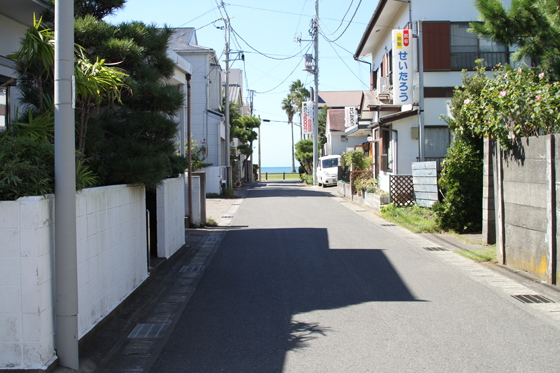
<point x="327" y="170"/>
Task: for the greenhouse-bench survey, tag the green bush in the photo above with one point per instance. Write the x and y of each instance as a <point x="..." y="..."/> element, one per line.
<point x="308" y="179"/>
<point x="356" y="157"/>
<point x="461" y="181"/>
<point x="27" y="169"/>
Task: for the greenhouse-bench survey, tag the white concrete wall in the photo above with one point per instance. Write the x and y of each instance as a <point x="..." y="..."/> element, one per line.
<point x="112" y="252"/>
<point x="197" y="204"/>
<point x="170" y="203"/>
<point x="27" y="282"/>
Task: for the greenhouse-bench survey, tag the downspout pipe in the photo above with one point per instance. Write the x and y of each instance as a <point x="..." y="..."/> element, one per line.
<point x="189" y="150"/>
<point x="396" y="168"/>
<point x="421" y="91"/>
<point x="66" y="263"/>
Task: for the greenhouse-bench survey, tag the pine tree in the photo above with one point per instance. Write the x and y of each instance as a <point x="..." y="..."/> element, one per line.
<point x="532" y="25"/>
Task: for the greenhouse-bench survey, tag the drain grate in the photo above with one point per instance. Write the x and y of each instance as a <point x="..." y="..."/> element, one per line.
<point x="190" y="269"/>
<point x="388" y="225"/>
<point x="361" y="210"/>
<point x="227" y="217"/>
<point x="236" y="204"/>
<point x="435" y="248"/>
<point x="149" y="331"/>
<point x="532" y="298"/>
<point x="214" y="239"/>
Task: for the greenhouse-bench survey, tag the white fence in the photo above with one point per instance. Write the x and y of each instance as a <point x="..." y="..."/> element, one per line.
<point x="112" y="262"/>
<point x="170" y="202"/>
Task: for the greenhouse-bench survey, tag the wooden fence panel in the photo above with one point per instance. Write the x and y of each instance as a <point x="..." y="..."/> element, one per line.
<point x="425" y="181"/>
<point x="401" y="190"/>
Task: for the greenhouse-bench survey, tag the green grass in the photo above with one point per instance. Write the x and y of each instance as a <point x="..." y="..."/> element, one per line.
<point x="479" y="256"/>
<point x="289" y="176"/>
<point x="211" y="222"/>
<point x="416" y="219"/>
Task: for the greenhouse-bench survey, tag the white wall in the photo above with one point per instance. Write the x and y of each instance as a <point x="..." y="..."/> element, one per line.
<point x="11" y="32"/>
<point x="339" y="147"/>
<point x="112" y="252"/>
<point x="170" y="204"/>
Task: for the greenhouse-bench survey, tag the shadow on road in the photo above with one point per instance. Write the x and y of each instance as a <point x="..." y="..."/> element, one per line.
<point x="244" y="314"/>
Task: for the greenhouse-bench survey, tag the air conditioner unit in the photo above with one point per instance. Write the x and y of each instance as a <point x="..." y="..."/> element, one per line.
<point x="384" y="84"/>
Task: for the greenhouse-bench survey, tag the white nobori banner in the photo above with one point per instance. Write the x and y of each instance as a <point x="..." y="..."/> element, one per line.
<point x="402" y="67"/>
<point x="307" y="117"/>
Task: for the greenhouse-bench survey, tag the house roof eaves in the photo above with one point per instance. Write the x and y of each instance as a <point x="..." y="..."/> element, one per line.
<point x="369" y="28"/>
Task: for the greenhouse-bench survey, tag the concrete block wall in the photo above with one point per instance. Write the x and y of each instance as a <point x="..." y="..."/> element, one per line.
<point x="112" y="249"/>
<point x="530" y="207"/>
<point x="112" y="262"/>
<point x="170" y="202"/>
<point x="27" y="282"/>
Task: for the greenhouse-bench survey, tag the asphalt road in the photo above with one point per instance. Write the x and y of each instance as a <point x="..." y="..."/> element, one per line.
<point x="305" y="284"/>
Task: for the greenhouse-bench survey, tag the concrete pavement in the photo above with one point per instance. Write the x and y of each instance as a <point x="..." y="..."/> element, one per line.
<point x="271" y="338"/>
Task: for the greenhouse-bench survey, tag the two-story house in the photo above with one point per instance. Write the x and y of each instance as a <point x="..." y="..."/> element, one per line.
<point x="207" y="122"/>
<point x="406" y="131"/>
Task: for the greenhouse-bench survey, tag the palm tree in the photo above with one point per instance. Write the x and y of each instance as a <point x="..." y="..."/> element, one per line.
<point x="288" y="107"/>
<point x="299" y="94"/>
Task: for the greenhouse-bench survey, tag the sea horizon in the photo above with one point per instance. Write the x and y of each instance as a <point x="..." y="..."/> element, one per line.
<point x="278" y="170"/>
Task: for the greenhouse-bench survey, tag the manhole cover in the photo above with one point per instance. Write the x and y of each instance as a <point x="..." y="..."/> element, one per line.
<point x="149" y="331"/>
<point x="191" y="269"/>
<point x="435" y="248"/>
<point x="532" y="298"/>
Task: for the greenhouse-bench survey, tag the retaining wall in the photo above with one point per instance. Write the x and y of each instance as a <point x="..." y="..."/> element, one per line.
<point x="112" y="262"/>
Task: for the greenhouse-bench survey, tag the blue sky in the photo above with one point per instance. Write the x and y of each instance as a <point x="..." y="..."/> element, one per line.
<point x="270" y="27"/>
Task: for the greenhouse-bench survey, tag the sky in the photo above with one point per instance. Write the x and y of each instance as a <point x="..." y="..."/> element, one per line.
<point x="265" y="32"/>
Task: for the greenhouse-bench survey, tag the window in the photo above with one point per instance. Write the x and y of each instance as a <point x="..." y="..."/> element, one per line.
<point x="386" y="149"/>
<point x="466" y="48"/>
<point x="449" y="46"/>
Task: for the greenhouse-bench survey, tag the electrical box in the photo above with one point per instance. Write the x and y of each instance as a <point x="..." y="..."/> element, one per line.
<point x="414" y="133"/>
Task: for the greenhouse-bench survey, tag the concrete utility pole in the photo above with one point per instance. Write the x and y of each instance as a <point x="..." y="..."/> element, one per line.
<point x="259" y="138"/>
<point x="226" y="36"/>
<point x="66" y="264"/>
<point x="316" y="97"/>
<point x="189" y="151"/>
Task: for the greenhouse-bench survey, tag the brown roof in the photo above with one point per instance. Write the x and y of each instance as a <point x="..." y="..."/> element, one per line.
<point x="336" y="119"/>
<point x="340" y="99"/>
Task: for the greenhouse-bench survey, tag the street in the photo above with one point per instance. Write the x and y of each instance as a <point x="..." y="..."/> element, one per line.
<point x="304" y="281"/>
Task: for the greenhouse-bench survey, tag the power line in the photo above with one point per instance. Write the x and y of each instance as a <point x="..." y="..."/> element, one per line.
<point x="361" y="81"/>
<point x="342" y="21"/>
<point x="349" y="23"/>
<point x="270" y="90"/>
<point x="261" y="53"/>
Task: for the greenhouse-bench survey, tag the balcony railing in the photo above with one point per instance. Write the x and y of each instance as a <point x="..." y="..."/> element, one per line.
<point x="461" y="61"/>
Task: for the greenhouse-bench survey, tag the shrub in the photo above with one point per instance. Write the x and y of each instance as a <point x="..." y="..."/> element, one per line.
<point x="461" y="178"/>
<point x="27" y="169"/>
<point x="356" y="157"/>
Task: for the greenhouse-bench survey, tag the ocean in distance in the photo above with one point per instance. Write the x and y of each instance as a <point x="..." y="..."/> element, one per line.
<point x="278" y="170"/>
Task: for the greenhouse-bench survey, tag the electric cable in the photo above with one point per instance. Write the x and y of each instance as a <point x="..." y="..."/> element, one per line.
<point x="342" y="21"/>
<point x="348" y="25"/>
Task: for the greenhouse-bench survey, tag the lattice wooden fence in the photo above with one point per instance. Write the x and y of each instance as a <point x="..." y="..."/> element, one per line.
<point x="401" y="190"/>
<point x="367" y="174"/>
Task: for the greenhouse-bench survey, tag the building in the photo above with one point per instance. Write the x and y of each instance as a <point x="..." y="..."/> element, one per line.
<point x="207" y="122"/>
<point x="15" y="18"/>
<point x="447" y="48"/>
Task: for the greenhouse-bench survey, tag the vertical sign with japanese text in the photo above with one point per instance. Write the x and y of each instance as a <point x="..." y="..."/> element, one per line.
<point x="402" y="67"/>
<point x="350" y="116"/>
<point x="307" y="117"/>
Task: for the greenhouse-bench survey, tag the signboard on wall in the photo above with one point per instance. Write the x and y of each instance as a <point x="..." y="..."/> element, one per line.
<point x="402" y="67"/>
<point x="350" y="116"/>
<point x="307" y="117"/>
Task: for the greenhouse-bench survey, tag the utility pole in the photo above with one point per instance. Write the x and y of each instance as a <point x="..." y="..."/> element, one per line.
<point x="316" y="97"/>
<point x="259" y="138"/>
<point x="228" y="165"/>
<point x="66" y="264"/>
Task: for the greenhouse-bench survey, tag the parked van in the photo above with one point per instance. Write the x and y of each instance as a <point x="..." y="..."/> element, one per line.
<point x="327" y="170"/>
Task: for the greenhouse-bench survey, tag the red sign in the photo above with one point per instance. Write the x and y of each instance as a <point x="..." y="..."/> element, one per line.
<point x="406" y="39"/>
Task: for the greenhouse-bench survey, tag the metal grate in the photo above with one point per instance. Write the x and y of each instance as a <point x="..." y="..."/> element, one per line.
<point x="435" y="248"/>
<point x="191" y="269"/>
<point x="149" y="331"/>
<point x="361" y="210"/>
<point x="401" y="190"/>
<point x="227" y="217"/>
<point x="388" y="225"/>
<point x="214" y="238"/>
<point x="532" y="298"/>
